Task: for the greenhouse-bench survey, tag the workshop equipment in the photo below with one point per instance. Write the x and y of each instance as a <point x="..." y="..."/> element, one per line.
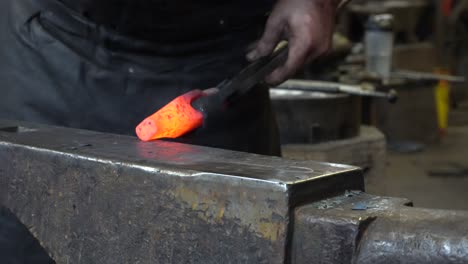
<point x="426" y="76"/>
<point x="365" y="89"/>
<point x="186" y="112"/>
<point x="378" y="41"/>
<point x="408" y="16"/>
<point x="423" y="97"/>
<point x="90" y="197"/>
<point x="442" y="104"/>
<point x="311" y="112"/>
<point x="314" y="117"/>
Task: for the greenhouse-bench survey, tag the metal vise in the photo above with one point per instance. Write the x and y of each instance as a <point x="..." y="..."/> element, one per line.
<point x="90" y="197"/>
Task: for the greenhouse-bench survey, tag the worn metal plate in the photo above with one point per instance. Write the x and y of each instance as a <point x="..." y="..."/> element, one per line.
<point x="98" y="198"/>
<point x="363" y="228"/>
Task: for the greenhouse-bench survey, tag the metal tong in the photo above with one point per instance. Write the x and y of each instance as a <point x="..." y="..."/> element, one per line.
<point x="244" y="81"/>
<point x="254" y="73"/>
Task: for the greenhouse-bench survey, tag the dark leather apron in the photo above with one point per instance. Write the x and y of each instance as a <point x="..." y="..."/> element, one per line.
<point x="60" y="67"/>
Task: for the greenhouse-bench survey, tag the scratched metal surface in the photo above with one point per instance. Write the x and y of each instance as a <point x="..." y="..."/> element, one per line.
<point x="98" y="198"/>
<point x="363" y="228"/>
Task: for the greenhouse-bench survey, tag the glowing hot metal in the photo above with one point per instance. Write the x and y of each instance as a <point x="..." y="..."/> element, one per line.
<point x="173" y="120"/>
<point x="187" y="112"/>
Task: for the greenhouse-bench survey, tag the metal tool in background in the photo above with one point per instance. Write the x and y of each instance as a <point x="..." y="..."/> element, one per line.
<point x="332" y="87"/>
<point x="423" y="76"/>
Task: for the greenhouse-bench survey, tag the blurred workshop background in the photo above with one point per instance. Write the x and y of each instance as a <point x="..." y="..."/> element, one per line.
<point x="406" y="60"/>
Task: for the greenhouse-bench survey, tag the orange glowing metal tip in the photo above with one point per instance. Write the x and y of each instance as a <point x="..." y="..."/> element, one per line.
<point x="180" y="117"/>
<point x="173" y="120"/>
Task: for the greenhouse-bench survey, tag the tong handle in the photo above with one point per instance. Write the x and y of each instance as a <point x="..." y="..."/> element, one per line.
<point x="254" y="73"/>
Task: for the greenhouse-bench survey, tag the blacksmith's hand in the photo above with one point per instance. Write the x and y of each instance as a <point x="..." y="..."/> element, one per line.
<point x="308" y="27"/>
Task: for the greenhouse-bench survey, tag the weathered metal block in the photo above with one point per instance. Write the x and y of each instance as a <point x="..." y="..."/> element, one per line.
<point x="98" y="198"/>
<point x="362" y="228"/>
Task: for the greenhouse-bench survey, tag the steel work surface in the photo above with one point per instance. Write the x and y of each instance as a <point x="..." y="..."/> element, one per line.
<point x="367" y="229"/>
<point x="98" y="198"/>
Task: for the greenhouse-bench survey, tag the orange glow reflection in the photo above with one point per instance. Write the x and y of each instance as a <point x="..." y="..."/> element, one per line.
<point x="173" y="120"/>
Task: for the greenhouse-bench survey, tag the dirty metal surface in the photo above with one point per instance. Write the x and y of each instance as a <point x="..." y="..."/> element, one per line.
<point x="362" y="228"/>
<point x="98" y="198"/>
